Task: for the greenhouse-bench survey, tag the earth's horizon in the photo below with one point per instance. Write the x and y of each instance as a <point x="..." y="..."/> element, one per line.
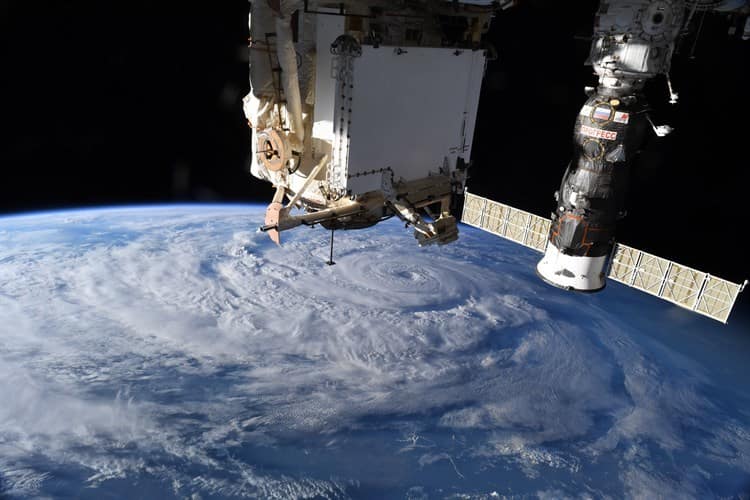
<point x="171" y="350"/>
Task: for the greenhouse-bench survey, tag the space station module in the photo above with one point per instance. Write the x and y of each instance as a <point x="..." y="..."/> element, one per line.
<point x="362" y="110"/>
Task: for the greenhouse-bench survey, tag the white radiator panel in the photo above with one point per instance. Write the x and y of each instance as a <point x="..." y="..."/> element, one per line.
<point x="412" y="109"/>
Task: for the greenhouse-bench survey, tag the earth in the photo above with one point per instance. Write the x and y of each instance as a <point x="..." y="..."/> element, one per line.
<point x="174" y="351"/>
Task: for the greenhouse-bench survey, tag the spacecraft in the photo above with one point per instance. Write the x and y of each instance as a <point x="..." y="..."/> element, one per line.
<point x="362" y="110"/>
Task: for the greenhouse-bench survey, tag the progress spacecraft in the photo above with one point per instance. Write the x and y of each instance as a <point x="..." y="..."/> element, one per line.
<point x="362" y="110"/>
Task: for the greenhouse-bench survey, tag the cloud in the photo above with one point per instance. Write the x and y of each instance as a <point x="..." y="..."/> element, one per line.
<point x="181" y="345"/>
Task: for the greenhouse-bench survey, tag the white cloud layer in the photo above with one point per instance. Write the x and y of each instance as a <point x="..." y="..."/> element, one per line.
<point x="179" y="347"/>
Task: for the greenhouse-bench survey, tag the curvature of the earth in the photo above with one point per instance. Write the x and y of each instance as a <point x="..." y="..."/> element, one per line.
<point x="175" y="352"/>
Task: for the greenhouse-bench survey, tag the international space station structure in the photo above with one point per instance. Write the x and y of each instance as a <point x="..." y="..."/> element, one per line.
<point x="365" y="109"/>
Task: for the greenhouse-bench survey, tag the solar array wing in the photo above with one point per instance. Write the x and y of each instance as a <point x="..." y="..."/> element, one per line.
<point x="503" y="220"/>
<point x="687" y="287"/>
<point x="684" y="286"/>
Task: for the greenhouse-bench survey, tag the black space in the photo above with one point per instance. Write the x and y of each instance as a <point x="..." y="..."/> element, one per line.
<point x="119" y="102"/>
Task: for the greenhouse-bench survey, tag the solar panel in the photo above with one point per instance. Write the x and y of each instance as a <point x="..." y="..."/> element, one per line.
<point x="503" y="220"/>
<point x="687" y="287"/>
<point x="682" y="285"/>
<point x="718" y="297"/>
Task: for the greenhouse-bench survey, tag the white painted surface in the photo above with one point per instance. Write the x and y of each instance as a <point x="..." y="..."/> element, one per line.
<point x="329" y="27"/>
<point x="411" y="111"/>
<point x="584" y="274"/>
